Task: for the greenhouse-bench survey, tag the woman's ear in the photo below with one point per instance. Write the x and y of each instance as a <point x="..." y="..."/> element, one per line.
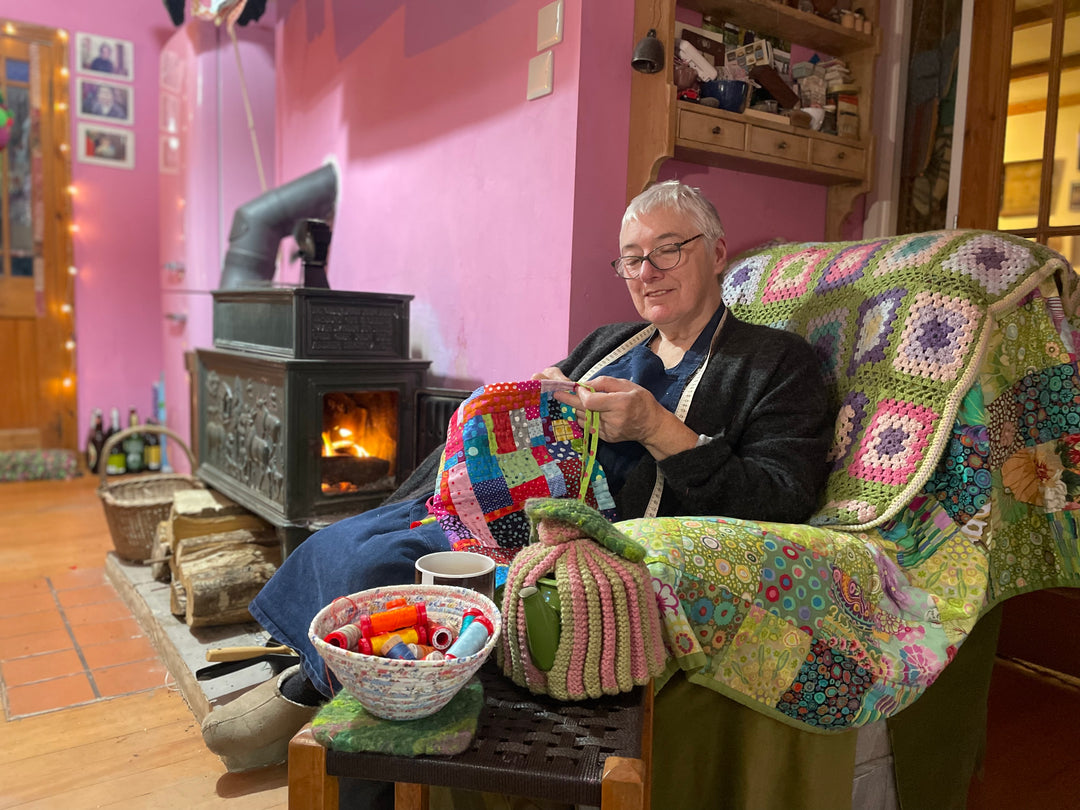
<point x="721" y="256"/>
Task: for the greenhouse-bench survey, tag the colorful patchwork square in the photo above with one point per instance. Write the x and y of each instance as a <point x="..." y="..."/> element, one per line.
<point x="913" y="252"/>
<point x="518" y="467"/>
<point x="500" y="426"/>
<point x="992" y="260"/>
<point x="764" y="657"/>
<point x="937" y="336"/>
<point x="791" y="275"/>
<point x="850" y="420"/>
<point x="847" y="266"/>
<point x="536" y="488"/>
<point x="512" y="530"/>
<point x="555" y="481"/>
<point x="828" y="689"/>
<point x="826" y="334"/>
<point x="742" y="280"/>
<point x="492" y="495"/>
<point x="561" y="451"/>
<point x="1048" y="404"/>
<point x="874" y="328"/>
<point x="482" y="466"/>
<point x="894" y="444"/>
<point x="600" y="490"/>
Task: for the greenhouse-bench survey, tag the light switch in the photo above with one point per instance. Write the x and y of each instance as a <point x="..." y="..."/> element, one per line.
<point x="541" y="71"/>
<point x="549" y="25"/>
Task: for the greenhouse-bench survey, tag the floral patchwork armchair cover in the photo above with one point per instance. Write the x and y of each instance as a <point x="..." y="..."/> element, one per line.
<point x="955" y="477"/>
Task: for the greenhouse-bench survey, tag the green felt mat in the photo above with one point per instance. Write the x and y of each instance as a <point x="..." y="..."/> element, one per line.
<point x="344" y="725"/>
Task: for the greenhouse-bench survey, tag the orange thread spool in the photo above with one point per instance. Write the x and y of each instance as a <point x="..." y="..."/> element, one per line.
<point x="387" y="621"/>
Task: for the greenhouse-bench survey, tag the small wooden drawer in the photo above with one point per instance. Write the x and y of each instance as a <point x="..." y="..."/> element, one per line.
<point x="838" y="156"/>
<point x="779" y="144"/>
<point x="711" y="130"/>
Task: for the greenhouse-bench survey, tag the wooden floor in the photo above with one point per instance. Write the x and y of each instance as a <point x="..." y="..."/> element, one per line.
<point x="136" y="751"/>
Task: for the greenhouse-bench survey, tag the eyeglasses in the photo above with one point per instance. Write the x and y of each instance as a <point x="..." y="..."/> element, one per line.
<point x="662" y="257"/>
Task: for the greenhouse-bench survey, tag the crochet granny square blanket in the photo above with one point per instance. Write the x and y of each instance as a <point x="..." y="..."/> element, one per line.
<point x="955" y="477"/>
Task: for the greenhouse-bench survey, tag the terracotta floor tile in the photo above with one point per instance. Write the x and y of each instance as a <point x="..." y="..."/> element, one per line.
<point x="119" y="652"/>
<point x="34" y="643"/>
<point x="47" y="695"/>
<point x="78" y="578"/>
<point x="104" y="632"/>
<point x="41" y="620"/>
<point x="87" y="596"/>
<point x="26" y="603"/>
<point x="97" y="613"/>
<point x="24" y="587"/>
<point x="128" y="678"/>
<point x="40" y="668"/>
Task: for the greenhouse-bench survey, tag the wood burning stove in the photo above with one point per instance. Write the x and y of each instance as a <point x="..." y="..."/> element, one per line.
<point x="307" y="403"/>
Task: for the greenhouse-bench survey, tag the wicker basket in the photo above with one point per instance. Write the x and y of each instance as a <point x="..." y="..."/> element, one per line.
<point x="135" y="506"/>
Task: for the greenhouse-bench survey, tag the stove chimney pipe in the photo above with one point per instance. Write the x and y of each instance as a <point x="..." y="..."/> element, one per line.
<point x="260" y="224"/>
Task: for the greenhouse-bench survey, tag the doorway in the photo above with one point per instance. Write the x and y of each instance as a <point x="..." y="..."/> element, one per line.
<point x="1022" y="143"/>
<point x="37" y="363"/>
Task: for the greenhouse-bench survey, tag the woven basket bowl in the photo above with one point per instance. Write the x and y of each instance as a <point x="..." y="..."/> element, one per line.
<point x="395" y="689"/>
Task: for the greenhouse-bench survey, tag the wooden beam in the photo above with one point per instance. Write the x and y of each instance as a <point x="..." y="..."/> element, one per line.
<point x="1028" y="70"/>
<point x="1039" y="104"/>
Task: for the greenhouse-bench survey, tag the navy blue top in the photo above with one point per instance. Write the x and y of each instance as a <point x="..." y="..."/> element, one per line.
<point x="640" y="365"/>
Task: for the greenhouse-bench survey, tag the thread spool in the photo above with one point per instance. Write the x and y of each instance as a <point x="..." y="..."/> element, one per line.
<point x="421" y="651"/>
<point x="440" y="637"/>
<point x="394" y="647"/>
<point x="473" y="639"/>
<point x="467" y="617"/>
<point x="347" y="637"/>
<point x="410" y="635"/>
<point x="387" y="621"/>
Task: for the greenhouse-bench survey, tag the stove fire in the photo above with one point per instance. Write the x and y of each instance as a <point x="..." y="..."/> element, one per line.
<point x="359" y="441"/>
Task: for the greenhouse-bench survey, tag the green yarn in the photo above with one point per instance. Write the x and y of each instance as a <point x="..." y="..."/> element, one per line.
<point x="589" y="520"/>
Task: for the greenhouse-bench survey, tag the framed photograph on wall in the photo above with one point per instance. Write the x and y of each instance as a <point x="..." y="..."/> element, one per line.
<point x="105" y="101"/>
<point x="168" y="153"/>
<point x="1020" y="189"/>
<point x="106" y="146"/>
<point x="105" y="56"/>
<point x="170" y="113"/>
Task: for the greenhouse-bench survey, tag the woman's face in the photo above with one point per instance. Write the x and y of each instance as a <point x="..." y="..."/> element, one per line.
<point x="684" y="294"/>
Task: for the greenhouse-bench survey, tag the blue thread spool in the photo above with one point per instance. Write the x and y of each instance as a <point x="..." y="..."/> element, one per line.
<point x="394" y="647"/>
<point x="472" y="639"/>
<point x="467" y="618"/>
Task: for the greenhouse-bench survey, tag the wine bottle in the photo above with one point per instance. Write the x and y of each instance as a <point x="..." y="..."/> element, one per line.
<point x="151" y="449"/>
<point x="133" y="445"/>
<point x="95" y="441"/>
<point x="116" y="463"/>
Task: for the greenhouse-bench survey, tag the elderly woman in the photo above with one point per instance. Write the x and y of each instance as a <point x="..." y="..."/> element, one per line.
<point x="700" y="414"/>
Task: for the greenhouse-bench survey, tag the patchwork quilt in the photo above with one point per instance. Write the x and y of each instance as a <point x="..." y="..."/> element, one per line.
<point x="955" y="479"/>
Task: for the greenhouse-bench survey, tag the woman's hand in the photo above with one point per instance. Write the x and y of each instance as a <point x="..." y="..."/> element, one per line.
<point x="629" y="412"/>
<point x="552" y="373"/>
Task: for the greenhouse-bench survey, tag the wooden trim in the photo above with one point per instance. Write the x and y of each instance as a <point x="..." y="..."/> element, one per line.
<point x="1039" y="104"/>
<point x="1057" y="45"/>
<point x="1045" y="67"/>
<point x="987" y="105"/>
<point x="652" y="101"/>
<point x="310" y="787"/>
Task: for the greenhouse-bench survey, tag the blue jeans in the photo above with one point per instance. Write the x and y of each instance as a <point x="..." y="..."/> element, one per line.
<point x="369" y="550"/>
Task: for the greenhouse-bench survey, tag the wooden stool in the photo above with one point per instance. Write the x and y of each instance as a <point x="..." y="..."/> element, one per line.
<point x="594" y="753"/>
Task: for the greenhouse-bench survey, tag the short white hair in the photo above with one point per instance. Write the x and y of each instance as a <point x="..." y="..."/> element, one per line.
<point x="673" y="195"/>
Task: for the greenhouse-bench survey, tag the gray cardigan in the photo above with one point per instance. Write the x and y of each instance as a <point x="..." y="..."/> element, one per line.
<point x="762" y="400"/>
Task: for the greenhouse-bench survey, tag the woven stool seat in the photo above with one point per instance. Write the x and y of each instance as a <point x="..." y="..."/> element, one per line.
<point x="525" y="745"/>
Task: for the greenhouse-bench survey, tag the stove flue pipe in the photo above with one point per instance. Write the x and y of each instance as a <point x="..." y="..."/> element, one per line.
<point x="260" y="224"/>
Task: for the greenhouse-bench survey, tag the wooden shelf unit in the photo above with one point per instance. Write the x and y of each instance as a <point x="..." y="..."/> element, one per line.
<point x="663" y="127"/>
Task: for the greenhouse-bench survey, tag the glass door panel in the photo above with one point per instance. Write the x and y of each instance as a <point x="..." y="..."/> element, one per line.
<point x="1065" y="202"/>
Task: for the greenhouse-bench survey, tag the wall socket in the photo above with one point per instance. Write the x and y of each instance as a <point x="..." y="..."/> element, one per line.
<point x="541" y="73"/>
<point x="549" y="25"/>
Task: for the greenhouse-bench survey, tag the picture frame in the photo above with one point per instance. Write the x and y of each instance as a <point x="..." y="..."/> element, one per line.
<point x="1074" y="197"/>
<point x="169" y="153"/>
<point x="106" y="146"/>
<point x="1020" y="188"/>
<point x="105" y="56"/>
<point x="171" y="72"/>
<point x="170" y="113"/>
<point x="105" y="101"/>
<point x="709" y="43"/>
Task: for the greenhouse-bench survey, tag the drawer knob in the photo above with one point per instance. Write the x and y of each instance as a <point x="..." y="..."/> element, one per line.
<point x="841" y="155"/>
<point x="782" y="145"/>
<point x="717" y="130"/>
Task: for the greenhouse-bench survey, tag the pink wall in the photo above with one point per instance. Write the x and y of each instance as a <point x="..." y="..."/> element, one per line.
<point x="117" y="298"/>
<point x="455" y="188"/>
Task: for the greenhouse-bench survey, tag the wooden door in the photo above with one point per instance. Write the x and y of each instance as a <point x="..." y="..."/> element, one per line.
<point x="1021" y="169"/>
<point x="37" y="362"/>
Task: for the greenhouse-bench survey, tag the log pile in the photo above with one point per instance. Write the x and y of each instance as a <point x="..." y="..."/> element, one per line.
<point x="216" y="556"/>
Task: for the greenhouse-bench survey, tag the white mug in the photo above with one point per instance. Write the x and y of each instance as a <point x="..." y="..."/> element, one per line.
<point x="461" y="568"/>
